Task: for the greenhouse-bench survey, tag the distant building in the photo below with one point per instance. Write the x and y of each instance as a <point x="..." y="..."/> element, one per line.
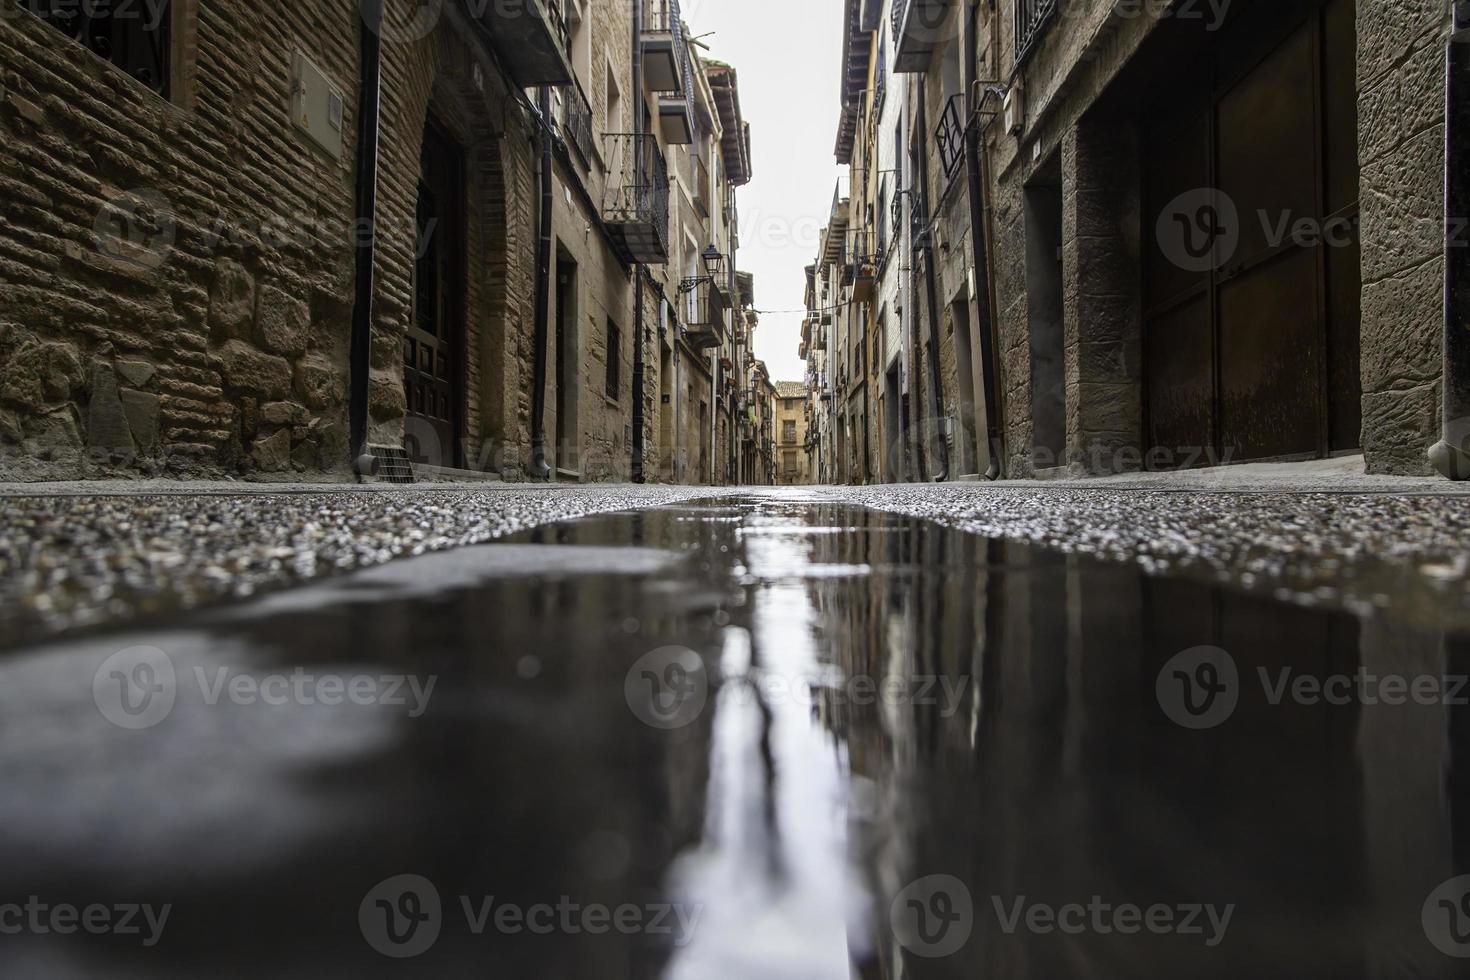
<point x="793" y="456"/>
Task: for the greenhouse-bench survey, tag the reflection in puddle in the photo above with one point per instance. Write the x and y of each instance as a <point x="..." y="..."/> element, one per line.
<point x="925" y="754"/>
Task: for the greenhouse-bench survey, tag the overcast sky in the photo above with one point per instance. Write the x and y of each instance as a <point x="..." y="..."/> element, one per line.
<point x="787" y="54"/>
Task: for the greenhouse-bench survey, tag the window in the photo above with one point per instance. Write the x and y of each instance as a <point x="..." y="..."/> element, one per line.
<point x="614" y="360"/>
<point x="789" y="465"/>
<point x="133" y="36"/>
<point x="1032" y="16"/>
<point x="613" y="123"/>
<point x="788" y="431"/>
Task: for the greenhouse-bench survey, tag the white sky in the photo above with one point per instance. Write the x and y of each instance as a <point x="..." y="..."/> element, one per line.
<point x="788" y="55"/>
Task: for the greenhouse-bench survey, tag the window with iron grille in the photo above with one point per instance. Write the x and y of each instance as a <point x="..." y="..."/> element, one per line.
<point x="788" y="432"/>
<point x="614" y="360"/>
<point x="1032" y="16"/>
<point x="133" y="36"/>
<point x="950" y="137"/>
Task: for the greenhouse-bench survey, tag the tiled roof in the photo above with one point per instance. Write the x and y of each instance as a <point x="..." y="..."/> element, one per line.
<point x="790" y="389"/>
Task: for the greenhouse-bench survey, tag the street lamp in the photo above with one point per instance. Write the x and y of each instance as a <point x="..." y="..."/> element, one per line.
<point x="714" y="267"/>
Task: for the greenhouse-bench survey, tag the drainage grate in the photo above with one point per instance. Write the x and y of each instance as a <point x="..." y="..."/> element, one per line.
<point x="391" y="464"/>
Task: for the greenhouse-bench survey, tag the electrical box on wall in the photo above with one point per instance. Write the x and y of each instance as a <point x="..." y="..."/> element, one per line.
<point x="317" y="105"/>
<point x="1013" y="109"/>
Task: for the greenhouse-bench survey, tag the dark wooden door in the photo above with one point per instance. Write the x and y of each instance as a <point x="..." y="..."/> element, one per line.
<point x="433" y="358"/>
<point x="1251" y="315"/>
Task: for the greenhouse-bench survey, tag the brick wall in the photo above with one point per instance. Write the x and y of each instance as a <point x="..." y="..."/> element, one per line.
<point x="175" y="276"/>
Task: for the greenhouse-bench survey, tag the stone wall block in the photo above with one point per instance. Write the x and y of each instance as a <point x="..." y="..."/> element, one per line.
<point x="107" y="423"/>
<point x="232" y="302"/>
<point x="247" y="369"/>
<point x="283" y="322"/>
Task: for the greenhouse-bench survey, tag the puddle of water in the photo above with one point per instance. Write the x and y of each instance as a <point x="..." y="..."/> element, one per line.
<point x="765" y="739"/>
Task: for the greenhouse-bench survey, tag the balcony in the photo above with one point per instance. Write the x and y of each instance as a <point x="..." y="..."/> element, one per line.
<point x="704" y="313"/>
<point x="863" y="260"/>
<point x="676" y="103"/>
<point x="832" y="245"/>
<point x="920" y="27"/>
<point x="664" y="46"/>
<point x="574" y="120"/>
<point x="531" y="37"/>
<point x="635" y="205"/>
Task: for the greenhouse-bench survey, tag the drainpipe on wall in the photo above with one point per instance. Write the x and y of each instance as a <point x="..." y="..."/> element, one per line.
<point x="638" y="365"/>
<point x="540" y="467"/>
<point x="359" y="359"/>
<point x="979" y="246"/>
<point x="931" y="293"/>
<point x="1451" y="455"/>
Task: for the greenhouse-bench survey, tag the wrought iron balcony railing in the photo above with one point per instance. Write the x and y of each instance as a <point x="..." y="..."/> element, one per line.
<point x="1032" y="16"/>
<point x="574" y="117"/>
<point x="636" y="200"/>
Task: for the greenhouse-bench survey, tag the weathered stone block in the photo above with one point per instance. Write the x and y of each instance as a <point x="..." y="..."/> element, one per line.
<point x="232" y="301"/>
<point x="52" y="433"/>
<point x="142" y="410"/>
<point x="1401" y="332"/>
<point x="282" y="413"/>
<point x="38" y="375"/>
<point x="135" y="374"/>
<point x="1398" y="429"/>
<point x="248" y="369"/>
<point x="386" y="400"/>
<point x="107" y="424"/>
<point x="284" y="322"/>
<point x="387" y="350"/>
<point x="319" y="383"/>
<point x="272" y="454"/>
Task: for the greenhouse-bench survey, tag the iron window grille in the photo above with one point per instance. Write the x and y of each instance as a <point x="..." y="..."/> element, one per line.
<point x="133" y="36"/>
<point x="614" y="360"/>
<point x="950" y="137"/>
<point x="1032" y="17"/>
<point x="575" y="120"/>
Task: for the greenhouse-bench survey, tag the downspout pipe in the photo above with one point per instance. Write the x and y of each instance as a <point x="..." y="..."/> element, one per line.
<point x="1451" y="455"/>
<point x="366" y="208"/>
<point x="638" y="363"/>
<point x="931" y="292"/>
<point x="540" y="466"/>
<point x="979" y="246"/>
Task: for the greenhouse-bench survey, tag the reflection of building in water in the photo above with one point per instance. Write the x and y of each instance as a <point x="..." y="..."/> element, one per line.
<point x="1059" y="777"/>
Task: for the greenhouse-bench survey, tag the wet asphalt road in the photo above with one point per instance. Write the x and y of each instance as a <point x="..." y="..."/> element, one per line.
<point x="767" y="736"/>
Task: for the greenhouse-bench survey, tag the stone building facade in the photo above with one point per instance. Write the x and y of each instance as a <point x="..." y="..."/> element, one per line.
<point x="793" y="458"/>
<point x="1245" y="263"/>
<point x="183" y="284"/>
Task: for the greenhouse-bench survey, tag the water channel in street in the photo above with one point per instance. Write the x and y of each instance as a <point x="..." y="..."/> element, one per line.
<point x="764" y="737"/>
